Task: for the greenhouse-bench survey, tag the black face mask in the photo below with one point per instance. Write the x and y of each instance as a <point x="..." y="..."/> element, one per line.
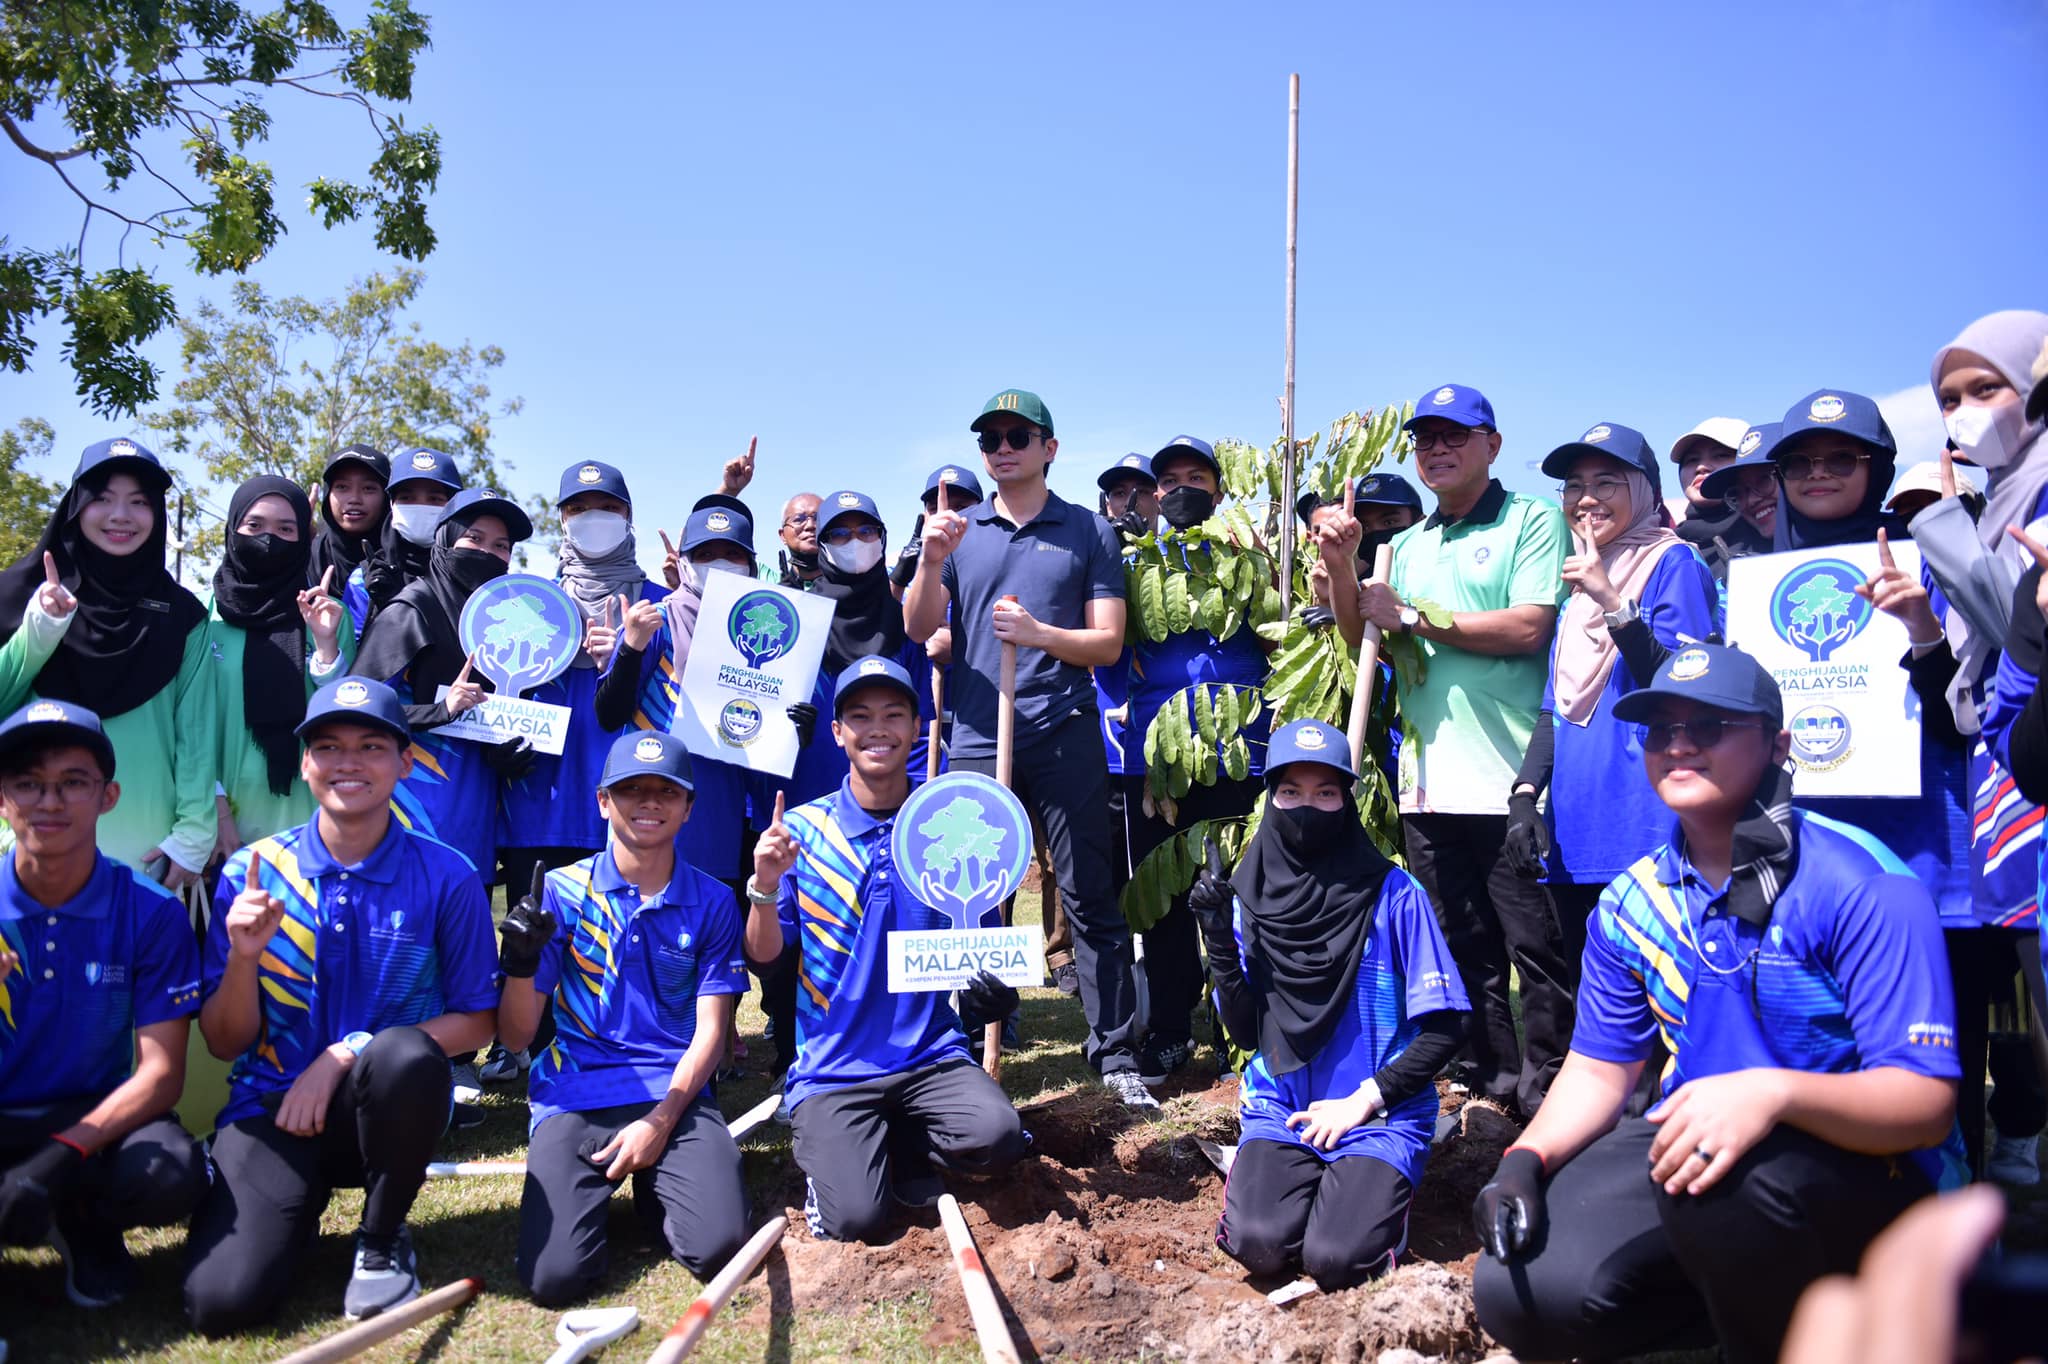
<point x="1187" y="506"/>
<point x="470" y="569"/>
<point x="805" y="562"/>
<point x="266" y="555"/>
<point x="1304" y="828"/>
<point x="1369" y="544"/>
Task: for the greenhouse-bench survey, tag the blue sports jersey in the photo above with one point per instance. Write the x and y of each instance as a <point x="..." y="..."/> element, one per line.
<point x="1849" y="974"/>
<point x="821" y="764"/>
<point x="2005" y="845"/>
<point x="1404" y="972"/>
<point x="355" y="598"/>
<point x="451" y="794"/>
<point x="626" y="1006"/>
<point x="1599" y="836"/>
<point x="1112" y="690"/>
<point x="1930" y="835"/>
<point x="402" y="937"/>
<point x="1189" y="659"/>
<point x="117" y="956"/>
<point x="838" y="904"/>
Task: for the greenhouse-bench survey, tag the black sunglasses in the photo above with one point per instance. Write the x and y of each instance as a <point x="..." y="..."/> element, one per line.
<point x="1018" y="436"/>
<point x="1704" y="732"/>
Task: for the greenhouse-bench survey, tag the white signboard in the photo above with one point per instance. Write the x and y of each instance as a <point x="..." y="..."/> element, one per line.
<point x="948" y="958"/>
<point x="754" y="654"/>
<point x="1854" y="718"/>
<point x="502" y="717"/>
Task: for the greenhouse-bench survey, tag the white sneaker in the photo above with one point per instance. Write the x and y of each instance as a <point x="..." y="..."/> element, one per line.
<point x="503" y="1067"/>
<point x="1130" y="1090"/>
<point x="2014" y="1160"/>
<point x="469" y="1086"/>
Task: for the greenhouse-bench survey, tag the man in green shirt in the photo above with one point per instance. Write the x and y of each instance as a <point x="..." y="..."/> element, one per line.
<point x="1494" y="560"/>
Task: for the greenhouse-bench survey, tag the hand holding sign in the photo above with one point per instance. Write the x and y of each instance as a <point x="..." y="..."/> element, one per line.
<point x="254" y="916"/>
<point x="1900" y="595"/>
<point x="1585" y="573"/>
<point x="53" y="598"/>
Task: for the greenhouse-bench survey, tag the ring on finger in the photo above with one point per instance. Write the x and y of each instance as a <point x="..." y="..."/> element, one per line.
<point x="1703" y="1154"/>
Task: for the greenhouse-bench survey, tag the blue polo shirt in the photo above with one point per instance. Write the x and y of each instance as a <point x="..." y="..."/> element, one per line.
<point x="838" y="903"/>
<point x="1113" y="689"/>
<point x="1850" y="973"/>
<point x="1599" y="836"/>
<point x="401" y="937"/>
<point x="626" y="1007"/>
<point x="115" y="957"/>
<point x="1194" y="658"/>
<point x="1054" y="565"/>
<point x="1404" y="971"/>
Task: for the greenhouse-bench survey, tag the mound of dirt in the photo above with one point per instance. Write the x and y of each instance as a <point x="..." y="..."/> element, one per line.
<point x="1102" y="1246"/>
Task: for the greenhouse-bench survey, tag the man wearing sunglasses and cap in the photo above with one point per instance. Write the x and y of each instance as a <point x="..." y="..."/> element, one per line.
<point x="1793" y="968"/>
<point x="1029" y="569"/>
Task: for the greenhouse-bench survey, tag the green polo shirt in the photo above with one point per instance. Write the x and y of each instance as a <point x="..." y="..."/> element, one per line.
<point x="1469" y="720"/>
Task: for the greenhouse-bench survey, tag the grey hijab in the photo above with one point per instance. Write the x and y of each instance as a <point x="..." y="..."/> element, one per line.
<point x="2009" y="340"/>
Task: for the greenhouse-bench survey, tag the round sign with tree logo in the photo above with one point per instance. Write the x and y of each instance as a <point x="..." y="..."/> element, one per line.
<point x="962" y="843"/>
<point x="522" y="630"/>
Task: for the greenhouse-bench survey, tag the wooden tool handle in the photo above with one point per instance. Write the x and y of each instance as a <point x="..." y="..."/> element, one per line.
<point x="1368" y="667"/>
<point x="356" y="1339"/>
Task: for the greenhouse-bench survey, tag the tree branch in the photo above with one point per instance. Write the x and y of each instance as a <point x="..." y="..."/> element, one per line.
<point x="21" y="142"/>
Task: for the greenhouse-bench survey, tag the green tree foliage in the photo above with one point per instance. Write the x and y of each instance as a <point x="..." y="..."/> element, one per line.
<point x="276" y="385"/>
<point x="98" y="90"/>
<point x="26" y="501"/>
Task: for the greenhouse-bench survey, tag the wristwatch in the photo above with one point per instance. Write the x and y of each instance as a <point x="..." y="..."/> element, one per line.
<point x="356" y="1041"/>
<point x="1410" y="618"/>
<point x="755" y="897"/>
<point x="1625" y="614"/>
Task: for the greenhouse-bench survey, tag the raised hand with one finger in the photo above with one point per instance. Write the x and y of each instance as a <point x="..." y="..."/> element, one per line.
<point x="527" y="930"/>
<point x="1901" y="596"/>
<point x="53" y="598"/>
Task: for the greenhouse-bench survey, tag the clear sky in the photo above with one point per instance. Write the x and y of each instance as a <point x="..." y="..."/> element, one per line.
<point x="844" y="227"/>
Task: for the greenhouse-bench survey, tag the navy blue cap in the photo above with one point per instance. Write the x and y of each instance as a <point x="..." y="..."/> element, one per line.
<point x="422" y="465"/>
<point x="592" y="477"/>
<point x="647" y="753"/>
<point x="962" y="479"/>
<point x="1613" y="440"/>
<point x="467" y="505"/>
<point x="1755" y="451"/>
<point x="874" y="670"/>
<point x="365" y="456"/>
<point x="1837" y="409"/>
<point x="725" y="500"/>
<point x="1386" y="490"/>
<point x="1133" y="465"/>
<point x="357" y="701"/>
<point x="835" y="505"/>
<point x="57" y="722"/>
<point x="138" y="459"/>
<point x="1454" y="403"/>
<point x="708" y="524"/>
<point x="1308" y="741"/>
<point x="1719" y="675"/>
<point x="1184" y="446"/>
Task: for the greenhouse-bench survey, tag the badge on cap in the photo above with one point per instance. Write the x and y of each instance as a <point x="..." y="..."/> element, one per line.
<point x="423" y="460"/>
<point x="849" y="499"/>
<point x="1131" y="461"/>
<point x="718" y="520"/>
<point x="1750" y="440"/>
<point x="123" y="447"/>
<point x="1597" y="434"/>
<point x="1827" y="408"/>
<point x="949" y="475"/>
<point x="43" y="711"/>
<point x="1443" y="395"/>
<point x="1688" y="665"/>
<point x="1370" y="485"/>
<point x="872" y="666"/>
<point x="589" y="474"/>
<point x="1311" y="737"/>
<point x="648" y="750"/>
<point x="351" y="694"/>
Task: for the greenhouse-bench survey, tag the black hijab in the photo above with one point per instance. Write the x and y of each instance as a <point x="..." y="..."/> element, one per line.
<point x="866" y="617"/>
<point x="1310" y="882"/>
<point x="393" y="564"/>
<point x="1794" y="531"/>
<point x="335" y="548"/>
<point x="416" y="634"/>
<point x="127" y="640"/>
<point x="256" y="590"/>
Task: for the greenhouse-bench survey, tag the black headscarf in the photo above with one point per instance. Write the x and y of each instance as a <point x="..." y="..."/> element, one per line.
<point x="335" y="548"/>
<point x="127" y="640"/>
<point x="866" y="617"/>
<point x="256" y="590"/>
<point x="1793" y="531"/>
<point x="393" y="565"/>
<point x="1310" y="882"/>
<point x="416" y="634"/>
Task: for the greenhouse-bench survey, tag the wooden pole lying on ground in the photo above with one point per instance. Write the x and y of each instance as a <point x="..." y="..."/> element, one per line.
<point x="755" y="1116"/>
<point x="987" y="1314"/>
<point x="1289" y="481"/>
<point x="457" y="1169"/>
<point x="1006" y="747"/>
<point x="358" y="1338"/>
<point x="1368" y="665"/>
<point x="696" y="1318"/>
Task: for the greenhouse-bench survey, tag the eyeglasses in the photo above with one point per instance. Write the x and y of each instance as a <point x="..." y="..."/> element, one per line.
<point x="1450" y="437"/>
<point x="1703" y="733"/>
<point x="867" y="532"/>
<point x="1754" y="490"/>
<point x="1601" y="489"/>
<point x="1839" y="464"/>
<point x="801" y="519"/>
<point x="28" y="792"/>
<point x="1019" y="438"/>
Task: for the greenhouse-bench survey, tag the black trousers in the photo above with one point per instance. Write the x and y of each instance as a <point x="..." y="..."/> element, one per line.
<point x="270" y="1186"/>
<point x="1343" y="1221"/>
<point x="1625" y="1269"/>
<point x="1063" y="778"/>
<point x="1982" y="963"/>
<point x="851" y="1140"/>
<point x="1173" y="947"/>
<point x="693" y="1195"/>
<point x="1493" y="922"/>
<point x="152" y="1177"/>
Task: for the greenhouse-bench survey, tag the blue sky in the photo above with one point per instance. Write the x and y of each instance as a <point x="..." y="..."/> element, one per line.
<point x="843" y="227"/>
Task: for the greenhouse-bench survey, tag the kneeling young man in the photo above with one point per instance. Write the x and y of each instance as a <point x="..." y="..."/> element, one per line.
<point x="347" y="960"/>
<point x="642" y="971"/>
<point x="1794" y="969"/>
<point x="92" y="955"/>
<point x="882" y="1088"/>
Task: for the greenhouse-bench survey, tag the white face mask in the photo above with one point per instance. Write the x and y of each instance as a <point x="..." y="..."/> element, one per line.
<point x="595" y="534"/>
<point x="855" y="556"/>
<point x="1989" y="437"/>
<point x="720" y="566"/>
<point x="416" y="521"/>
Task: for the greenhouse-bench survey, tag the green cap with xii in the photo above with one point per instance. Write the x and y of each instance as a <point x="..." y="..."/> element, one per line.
<point x="1017" y="403"/>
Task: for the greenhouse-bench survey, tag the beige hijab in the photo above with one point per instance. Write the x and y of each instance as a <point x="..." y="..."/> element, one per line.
<point x="1585" y="653"/>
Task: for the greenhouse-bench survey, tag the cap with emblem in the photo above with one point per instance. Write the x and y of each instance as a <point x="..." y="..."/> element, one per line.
<point x="1837" y="409"/>
<point x="872" y="671"/>
<point x="126" y="455"/>
<point x="467" y="505"/>
<point x="1718" y="675"/>
<point x="589" y="476"/>
<point x="841" y="504"/>
<point x="1373" y="490"/>
<point x="958" y="479"/>
<point x="1307" y="741"/>
<point x="367" y="457"/>
<point x="1754" y="451"/>
<point x="708" y="524"/>
<point x="647" y="753"/>
<point x="1726" y="432"/>
<point x="1454" y="403"/>
<point x="1131" y="466"/>
<point x="1613" y="440"/>
<point x="426" y="466"/>
<point x="357" y="701"/>
<point x="45" y="723"/>
<point x="725" y="500"/>
<point x="1017" y="403"/>
<point x="1188" y="447"/>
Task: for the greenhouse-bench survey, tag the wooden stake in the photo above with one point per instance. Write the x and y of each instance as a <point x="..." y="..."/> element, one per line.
<point x="1368" y="664"/>
<point x="459" y="1169"/>
<point x="1006" y="746"/>
<point x="360" y="1337"/>
<point x="755" y="1116"/>
<point x="937" y="736"/>
<point x="997" y="1347"/>
<point x="696" y="1318"/>
<point x="1289" y="475"/>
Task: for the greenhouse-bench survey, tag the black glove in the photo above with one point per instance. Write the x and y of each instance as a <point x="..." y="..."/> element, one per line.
<point x="512" y="759"/>
<point x="804" y="716"/>
<point x="906" y="563"/>
<point x="1131" y="526"/>
<point x="1211" y="899"/>
<point x="528" y="927"/>
<point x="1316" y="617"/>
<point x="985" y="1000"/>
<point x="1509" y="1214"/>
<point x="30" y="1189"/>
<point x="1528" y="839"/>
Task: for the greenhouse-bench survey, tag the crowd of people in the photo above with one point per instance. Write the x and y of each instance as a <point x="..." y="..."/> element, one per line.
<point x="1743" y="1027"/>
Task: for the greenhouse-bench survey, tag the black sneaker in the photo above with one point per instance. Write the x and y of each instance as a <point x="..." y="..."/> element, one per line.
<point x="1159" y="1058"/>
<point x="462" y="1117"/>
<point x="98" y="1271"/>
<point x="1066" y="978"/>
<point x="385" y="1275"/>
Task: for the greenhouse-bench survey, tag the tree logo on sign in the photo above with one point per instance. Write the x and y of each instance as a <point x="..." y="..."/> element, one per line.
<point x="1816" y="609"/>
<point x="523" y="631"/>
<point x="763" y="627"/>
<point x="962" y="843"/>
